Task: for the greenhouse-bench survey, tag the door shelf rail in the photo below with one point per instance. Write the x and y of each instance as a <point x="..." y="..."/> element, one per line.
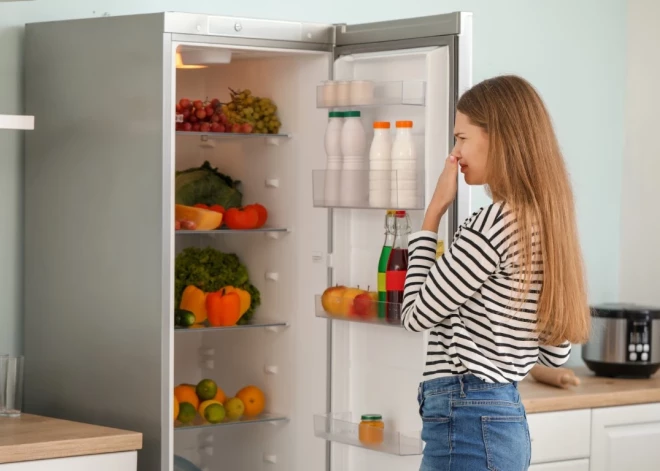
<point x="368" y="312"/>
<point x="352" y="94"/>
<point x="341" y="428"/>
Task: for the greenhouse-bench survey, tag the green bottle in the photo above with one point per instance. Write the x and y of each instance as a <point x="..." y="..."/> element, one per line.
<point x="382" y="263"/>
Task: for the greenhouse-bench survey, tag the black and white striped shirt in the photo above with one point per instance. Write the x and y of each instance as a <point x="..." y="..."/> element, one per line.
<point x="470" y="300"/>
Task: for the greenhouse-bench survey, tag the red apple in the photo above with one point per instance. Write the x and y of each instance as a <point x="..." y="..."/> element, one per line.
<point x="362" y="305"/>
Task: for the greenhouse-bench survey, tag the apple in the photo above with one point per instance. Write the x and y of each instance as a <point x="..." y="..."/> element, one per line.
<point x="364" y="305"/>
<point x="348" y="297"/>
<point x="331" y="300"/>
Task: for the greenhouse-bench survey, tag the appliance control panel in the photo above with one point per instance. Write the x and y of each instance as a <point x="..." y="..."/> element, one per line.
<point x="639" y="341"/>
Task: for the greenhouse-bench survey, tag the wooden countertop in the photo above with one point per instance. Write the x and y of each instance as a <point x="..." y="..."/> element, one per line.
<point x="593" y="392"/>
<point x="32" y="437"/>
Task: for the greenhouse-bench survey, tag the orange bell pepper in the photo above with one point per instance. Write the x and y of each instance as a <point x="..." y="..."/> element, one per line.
<point x="223" y="309"/>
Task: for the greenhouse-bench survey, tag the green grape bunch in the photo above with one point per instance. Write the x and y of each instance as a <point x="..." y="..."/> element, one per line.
<point x="260" y="113"/>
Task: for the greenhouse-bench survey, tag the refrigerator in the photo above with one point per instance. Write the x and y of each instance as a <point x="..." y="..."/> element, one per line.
<point x="100" y="242"/>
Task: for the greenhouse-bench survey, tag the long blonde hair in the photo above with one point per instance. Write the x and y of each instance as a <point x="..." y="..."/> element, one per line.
<point x="526" y="170"/>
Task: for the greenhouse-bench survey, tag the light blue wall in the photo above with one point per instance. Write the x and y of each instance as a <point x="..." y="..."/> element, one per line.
<point x="572" y="50"/>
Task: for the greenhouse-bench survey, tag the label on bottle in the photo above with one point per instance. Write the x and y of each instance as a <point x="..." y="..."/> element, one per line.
<point x="381" y="281"/>
<point x="395" y="280"/>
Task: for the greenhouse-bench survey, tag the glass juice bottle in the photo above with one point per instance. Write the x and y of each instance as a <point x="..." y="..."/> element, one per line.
<point x="397" y="267"/>
<point x="382" y="264"/>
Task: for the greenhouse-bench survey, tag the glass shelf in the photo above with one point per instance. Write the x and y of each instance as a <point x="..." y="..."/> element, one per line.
<point x="373" y="315"/>
<point x="199" y="423"/>
<point x="205" y="136"/>
<point x="341" y="428"/>
<point x="261" y="230"/>
<point x="368" y="189"/>
<point x="253" y="324"/>
<point x="365" y="93"/>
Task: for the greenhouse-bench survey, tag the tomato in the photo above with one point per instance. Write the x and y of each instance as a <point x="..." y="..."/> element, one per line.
<point x="262" y="212"/>
<point x="241" y="219"/>
<point x="217" y="208"/>
<point x="201" y="205"/>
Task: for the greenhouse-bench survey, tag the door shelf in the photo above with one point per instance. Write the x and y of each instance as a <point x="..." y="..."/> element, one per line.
<point x="341" y="428"/>
<point x="365" y="93"/>
<point x="16" y="122"/>
<point x="200" y="423"/>
<point x="253" y="324"/>
<point x="370" y="318"/>
<point x="262" y="230"/>
<point x="368" y="189"/>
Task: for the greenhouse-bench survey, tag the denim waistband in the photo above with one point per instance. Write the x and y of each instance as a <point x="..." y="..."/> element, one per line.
<point x="466" y="382"/>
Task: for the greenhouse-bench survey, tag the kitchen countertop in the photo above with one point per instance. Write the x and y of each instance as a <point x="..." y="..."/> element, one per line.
<point x="32" y="437"/>
<point x="593" y="392"/>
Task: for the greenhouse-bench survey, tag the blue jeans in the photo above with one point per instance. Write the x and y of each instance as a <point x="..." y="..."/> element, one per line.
<point x="471" y="425"/>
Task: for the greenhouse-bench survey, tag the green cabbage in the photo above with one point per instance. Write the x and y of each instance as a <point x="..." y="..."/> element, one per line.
<point x="207" y="186"/>
<point x="209" y="270"/>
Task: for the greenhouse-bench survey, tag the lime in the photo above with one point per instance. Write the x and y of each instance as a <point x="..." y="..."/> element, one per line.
<point x="214" y="413"/>
<point x="205" y="404"/>
<point x="206" y="389"/>
<point x="235" y="408"/>
<point x="187" y="412"/>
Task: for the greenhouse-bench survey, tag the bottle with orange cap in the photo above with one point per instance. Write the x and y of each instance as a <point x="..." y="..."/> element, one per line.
<point x="404" y="167"/>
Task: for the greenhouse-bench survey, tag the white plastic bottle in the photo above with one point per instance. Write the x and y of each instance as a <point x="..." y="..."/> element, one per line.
<point x="404" y="167"/>
<point x="334" y="157"/>
<point x="354" y="186"/>
<point x="380" y="166"/>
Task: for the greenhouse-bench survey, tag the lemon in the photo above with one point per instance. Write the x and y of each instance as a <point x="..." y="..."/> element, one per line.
<point x="214" y="413"/>
<point x="206" y="389"/>
<point x="187" y="412"/>
<point x="205" y="404"/>
<point x="235" y="408"/>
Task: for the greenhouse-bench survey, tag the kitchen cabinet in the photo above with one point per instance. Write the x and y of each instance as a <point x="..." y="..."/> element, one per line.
<point x="626" y="438"/>
<point x="573" y="465"/>
<point x="126" y="461"/>
<point x="559" y="436"/>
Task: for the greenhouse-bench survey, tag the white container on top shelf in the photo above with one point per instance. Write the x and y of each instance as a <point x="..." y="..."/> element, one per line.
<point x="334" y="154"/>
<point x="354" y="187"/>
<point x="404" y="166"/>
<point x="380" y="166"/>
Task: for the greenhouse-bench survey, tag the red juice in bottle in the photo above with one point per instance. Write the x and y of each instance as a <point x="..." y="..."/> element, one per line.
<point x="397" y="267"/>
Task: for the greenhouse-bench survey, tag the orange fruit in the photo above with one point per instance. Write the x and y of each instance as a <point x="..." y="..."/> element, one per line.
<point x="186" y="393"/>
<point x="220" y="396"/>
<point x="254" y="400"/>
<point x="176" y="408"/>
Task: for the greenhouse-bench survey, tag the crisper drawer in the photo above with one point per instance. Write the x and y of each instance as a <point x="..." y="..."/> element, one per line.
<point x="560" y="436"/>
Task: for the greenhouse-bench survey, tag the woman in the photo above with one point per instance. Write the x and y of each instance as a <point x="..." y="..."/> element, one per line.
<point x="509" y="292"/>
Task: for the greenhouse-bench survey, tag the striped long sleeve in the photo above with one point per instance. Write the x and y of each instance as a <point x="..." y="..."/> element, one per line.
<point x="471" y="301"/>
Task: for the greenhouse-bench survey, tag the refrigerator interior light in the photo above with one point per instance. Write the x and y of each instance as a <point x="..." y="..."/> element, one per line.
<point x="205" y="56"/>
<point x="181" y="65"/>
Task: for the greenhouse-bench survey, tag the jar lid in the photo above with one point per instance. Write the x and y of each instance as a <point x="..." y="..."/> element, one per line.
<point x="352" y="114"/>
<point x="336" y="114"/>
<point x="400" y="214"/>
<point x="404" y="124"/>
<point x="381" y="124"/>
<point x="371" y="417"/>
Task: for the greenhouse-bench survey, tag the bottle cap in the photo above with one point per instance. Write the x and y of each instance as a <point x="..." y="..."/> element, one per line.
<point x="404" y="124"/>
<point x="400" y="214"/>
<point x="381" y="124"/>
<point x="352" y="114"/>
<point x="336" y="114"/>
<point x="372" y="417"/>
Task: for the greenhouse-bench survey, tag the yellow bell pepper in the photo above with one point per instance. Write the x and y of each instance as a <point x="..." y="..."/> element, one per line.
<point x="243" y="295"/>
<point x="193" y="299"/>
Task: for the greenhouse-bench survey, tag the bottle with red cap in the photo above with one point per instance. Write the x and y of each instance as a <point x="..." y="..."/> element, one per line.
<point x="397" y="267"/>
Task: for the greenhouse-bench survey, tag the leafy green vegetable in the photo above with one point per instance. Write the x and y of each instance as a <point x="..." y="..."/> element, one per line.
<point x="209" y="270"/>
<point x="208" y="186"/>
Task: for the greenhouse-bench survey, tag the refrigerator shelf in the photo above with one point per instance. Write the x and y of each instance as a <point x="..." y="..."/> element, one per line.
<point x="205" y="136"/>
<point x="368" y="189"/>
<point x="261" y="230"/>
<point x="340" y="428"/>
<point x="200" y="423"/>
<point x="365" y="93"/>
<point x="371" y="318"/>
<point x="254" y="324"/>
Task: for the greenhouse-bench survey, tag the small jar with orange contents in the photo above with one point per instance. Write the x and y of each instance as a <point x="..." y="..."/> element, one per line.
<point x="371" y="431"/>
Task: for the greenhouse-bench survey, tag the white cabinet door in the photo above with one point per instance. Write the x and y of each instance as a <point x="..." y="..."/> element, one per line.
<point x="125" y="461"/>
<point x="626" y="438"/>
<point x="579" y="465"/>
<point x="560" y="436"/>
